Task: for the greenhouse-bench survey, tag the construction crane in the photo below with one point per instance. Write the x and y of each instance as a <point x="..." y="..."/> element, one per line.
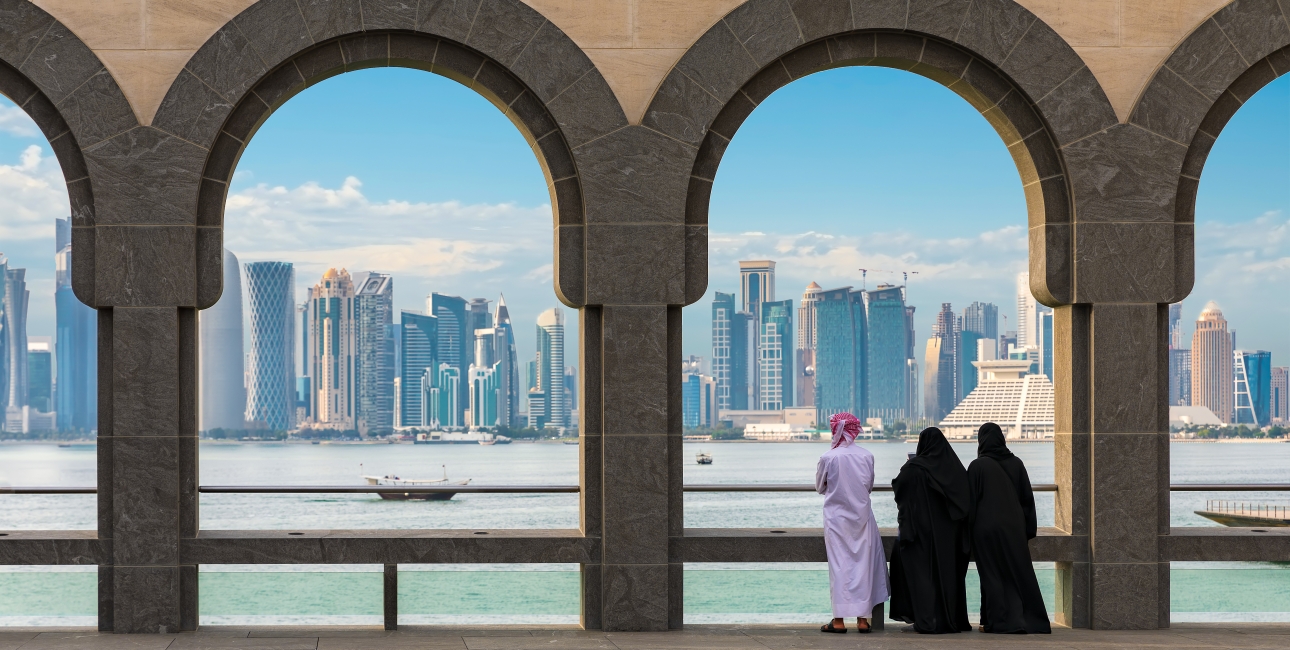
<point x="864" y="273"/>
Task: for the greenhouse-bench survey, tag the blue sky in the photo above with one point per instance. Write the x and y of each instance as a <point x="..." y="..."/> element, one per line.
<point x="409" y="173"/>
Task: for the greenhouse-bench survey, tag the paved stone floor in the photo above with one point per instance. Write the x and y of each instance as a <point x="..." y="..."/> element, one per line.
<point x="1184" y="637"/>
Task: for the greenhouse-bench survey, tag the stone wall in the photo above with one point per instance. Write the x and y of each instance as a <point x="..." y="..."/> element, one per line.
<point x="628" y="106"/>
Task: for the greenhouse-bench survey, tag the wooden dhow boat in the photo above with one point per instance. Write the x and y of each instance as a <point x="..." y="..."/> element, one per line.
<point x="396" y="482"/>
<point x="1246" y="515"/>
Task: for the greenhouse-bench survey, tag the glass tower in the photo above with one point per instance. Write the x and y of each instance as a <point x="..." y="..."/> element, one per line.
<point x="271" y="381"/>
<point x="1253" y="375"/>
<point x="454" y="340"/>
<point x="775" y="355"/>
<point x="888" y="348"/>
<point x="840" y="353"/>
<point x="223" y="380"/>
<point x="75" y="347"/>
<point x="419" y="339"/>
<point x="374" y="351"/>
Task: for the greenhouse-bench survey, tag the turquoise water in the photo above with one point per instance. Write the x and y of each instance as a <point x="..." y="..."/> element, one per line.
<point x="549" y="594"/>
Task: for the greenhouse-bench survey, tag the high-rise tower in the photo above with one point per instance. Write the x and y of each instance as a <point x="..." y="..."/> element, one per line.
<point x="455" y="340"/>
<point x="417" y="364"/>
<point x="548" y="406"/>
<point x="223" y="378"/>
<point x="888" y="347"/>
<point x="983" y="319"/>
<point x="271" y="381"/>
<point x="757" y="280"/>
<point x="775" y="355"/>
<point x="940" y="383"/>
<point x="508" y="408"/>
<point x="1252" y="374"/>
<point x="76" y="345"/>
<point x="1211" y="363"/>
<point x="804" y="363"/>
<point x="333" y="333"/>
<point x="14" y="334"/>
<point x="840" y="352"/>
<point x="730" y="358"/>
<point x="374" y="351"/>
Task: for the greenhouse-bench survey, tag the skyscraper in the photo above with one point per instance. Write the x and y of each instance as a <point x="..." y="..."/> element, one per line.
<point x="1252" y="374"/>
<point x="419" y="339"/>
<point x="477" y="314"/>
<point x="1045" y="330"/>
<point x="757" y="279"/>
<point x="1211" y="363"/>
<point x="271" y="381"/>
<point x="1179" y="360"/>
<point x="940" y="384"/>
<point x="730" y="359"/>
<point x="804" y="363"/>
<point x="14" y="333"/>
<point x="373" y="352"/>
<point x="775" y="355"/>
<point x="333" y="332"/>
<point x="223" y="376"/>
<point x="508" y="409"/>
<point x="548" y="406"/>
<point x="1027" y="308"/>
<point x="455" y="339"/>
<point x="840" y="352"/>
<point x="888" y="349"/>
<point x="982" y="318"/>
<point x="1279" y="401"/>
<point x="968" y="346"/>
<point x="76" y="345"/>
<point x="441" y="392"/>
<point x="40" y="374"/>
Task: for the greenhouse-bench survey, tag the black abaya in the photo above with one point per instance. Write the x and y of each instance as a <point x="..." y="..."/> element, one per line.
<point x="1002" y="520"/>
<point x="930" y="561"/>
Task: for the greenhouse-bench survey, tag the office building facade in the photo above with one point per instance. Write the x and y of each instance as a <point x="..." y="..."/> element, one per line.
<point x="13" y="338"/>
<point x="75" y="346"/>
<point x="982" y="318"/>
<point x="1279" y="397"/>
<point x="454" y="339"/>
<point x="804" y="361"/>
<point x="374" y="352"/>
<point x="221" y="356"/>
<point x="1211" y="364"/>
<point x="888" y="349"/>
<point x="270" y="379"/>
<point x="775" y="355"/>
<point x="548" y="402"/>
<point x="840" y="352"/>
<point x="732" y="363"/>
<point x="333" y="336"/>
<point x="1252" y="387"/>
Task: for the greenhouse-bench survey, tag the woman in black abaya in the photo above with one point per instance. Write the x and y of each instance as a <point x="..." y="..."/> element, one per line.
<point x="930" y="561"/>
<point x="1002" y="520"/>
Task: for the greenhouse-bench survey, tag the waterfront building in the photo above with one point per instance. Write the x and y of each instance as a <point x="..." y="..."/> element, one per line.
<point x="508" y="407"/>
<point x="548" y="403"/>
<point x="333" y="332"/>
<point x="804" y="359"/>
<point x="1211" y="363"/>
<point x="731" y="359"/>
<point x="1009" y="395"/>
<point x="1279" y="399"/>
<point x="441" y="391"/>
<point x="940" y="383"/>
<point x="454" y="339"/>
<point x="698" y="400"/>
<point x="840" y="349"/>
<point x="303" y="363"/>
<point x="270" y="378"/>
<point x="1175" y="326"/>
<point x="419" y="336"/>
<point x="485" y="382"/>
<point x="76" y="383"/>
<point x="373" y="352"/>
<point x="757" y="282"/>
<point x="40" y="374"/>
<point x="221" y="356"/>
<point x="982" y="318"/>
<point x="1252" y="381"/>
<point x="888" y="351"/>
<point x="13" y="334"/>
<point x="1180" y="377"/>
<point x="775" y="355"/>
<point x="969" y="348"/>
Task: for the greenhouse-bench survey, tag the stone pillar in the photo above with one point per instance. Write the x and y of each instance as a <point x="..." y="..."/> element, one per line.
<point x="142" y="422"/>
<point x="1128" y="461"/>
<point x="635" y="482"/>
<point x="1071" y="362"/>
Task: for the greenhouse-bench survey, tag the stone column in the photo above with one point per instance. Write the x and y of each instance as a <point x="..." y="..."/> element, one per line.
<point x="142" y="422"/>
<point x="1071" y="457"/>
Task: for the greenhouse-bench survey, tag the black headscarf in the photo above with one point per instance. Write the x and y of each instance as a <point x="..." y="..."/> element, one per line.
<point x="935" y="456"/>
<point x="990" y="443"/>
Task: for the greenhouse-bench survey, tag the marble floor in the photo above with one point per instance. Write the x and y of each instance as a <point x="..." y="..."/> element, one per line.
<point x="1182" y="637"/>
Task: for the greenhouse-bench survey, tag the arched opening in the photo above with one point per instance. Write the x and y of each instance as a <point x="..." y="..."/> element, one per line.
<point x="48" y="358"/>
<point x="393" y="236"/>
<point x="1228" y="349"/>
<point x="865" y="225"/>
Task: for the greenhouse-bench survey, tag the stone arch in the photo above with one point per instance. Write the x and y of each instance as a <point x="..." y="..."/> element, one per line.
<point x="504" y="50"/>
<point x="1212" y="73"/>
<point x="63" y="86"/>
<point x="1022" y="76"/>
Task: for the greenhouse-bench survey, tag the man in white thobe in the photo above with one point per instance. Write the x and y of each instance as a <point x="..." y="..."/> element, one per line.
<point x="857" y="564"/>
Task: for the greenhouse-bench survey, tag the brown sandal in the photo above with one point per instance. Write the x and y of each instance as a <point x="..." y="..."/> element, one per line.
<point x="867" y="627"/>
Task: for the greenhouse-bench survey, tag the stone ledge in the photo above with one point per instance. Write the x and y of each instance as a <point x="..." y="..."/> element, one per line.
<point x="807" y="545"/>
<point x="54" y="547"/>
<point x="1226" y="545"/>
<point x="467" y="546"/>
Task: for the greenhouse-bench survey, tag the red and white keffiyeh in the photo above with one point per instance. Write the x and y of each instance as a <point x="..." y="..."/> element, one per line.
<point x="845" y="429"/>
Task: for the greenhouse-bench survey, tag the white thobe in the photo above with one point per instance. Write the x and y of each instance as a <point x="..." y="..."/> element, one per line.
<point x="857" y="564"/>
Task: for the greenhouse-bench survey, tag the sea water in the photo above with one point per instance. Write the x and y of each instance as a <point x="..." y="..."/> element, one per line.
<point x="548" y="594"/>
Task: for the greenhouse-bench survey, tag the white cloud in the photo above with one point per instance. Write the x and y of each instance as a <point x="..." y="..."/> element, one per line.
<point x="32" y="195"/>
<point x="317" y="227"/>
<point x="15" y="121"/>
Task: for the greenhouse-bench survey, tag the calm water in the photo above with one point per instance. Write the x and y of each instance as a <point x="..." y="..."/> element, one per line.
<point x="470" y="594"/>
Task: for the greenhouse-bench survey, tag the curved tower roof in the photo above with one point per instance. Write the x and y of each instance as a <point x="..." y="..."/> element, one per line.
<point x="1211" y="312"/>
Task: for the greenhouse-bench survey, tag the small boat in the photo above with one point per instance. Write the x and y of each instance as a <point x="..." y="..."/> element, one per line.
<point x="571" y="442"/>
<point x="396" y="482"/>
<point x="703" y="458"/>
<point x="1246" y="515"/>
<point x="64" y="445"/>
<point x="488" y="443"/>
